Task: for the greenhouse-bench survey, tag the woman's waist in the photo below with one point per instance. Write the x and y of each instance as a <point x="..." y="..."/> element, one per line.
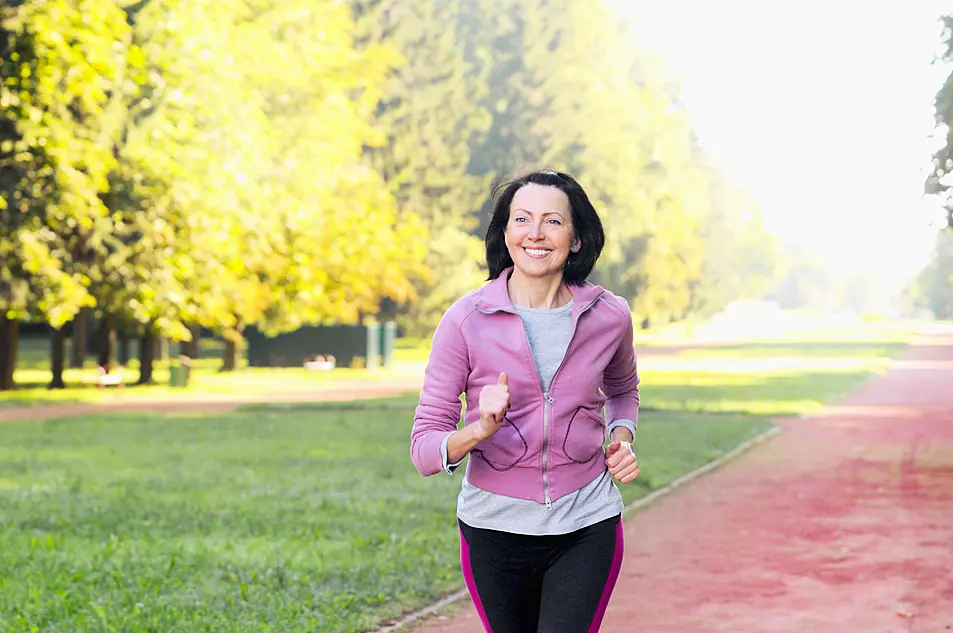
<point x="530" y="480"/>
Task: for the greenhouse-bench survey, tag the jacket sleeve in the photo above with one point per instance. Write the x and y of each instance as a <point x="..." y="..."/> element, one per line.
<point x="621" y="379"/>
<point x="438" y="411"/>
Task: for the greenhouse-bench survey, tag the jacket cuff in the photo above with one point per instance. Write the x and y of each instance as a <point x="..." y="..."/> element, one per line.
<point x="447" y="468"/>
<point x="629" y="424"/>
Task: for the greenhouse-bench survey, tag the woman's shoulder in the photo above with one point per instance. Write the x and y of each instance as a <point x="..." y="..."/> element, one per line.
<point x="615" y="303"/>
<point x="466" y="305"/>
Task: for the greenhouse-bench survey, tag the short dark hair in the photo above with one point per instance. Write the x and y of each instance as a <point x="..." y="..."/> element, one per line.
<point x="585" y="222"/>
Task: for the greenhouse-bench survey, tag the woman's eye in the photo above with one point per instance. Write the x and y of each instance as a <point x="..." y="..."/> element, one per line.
<point x="557" y="222"/>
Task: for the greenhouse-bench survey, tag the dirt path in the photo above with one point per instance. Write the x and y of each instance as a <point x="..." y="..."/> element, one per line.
<point x="843" y="522"/>
<point x="211" y="403"/>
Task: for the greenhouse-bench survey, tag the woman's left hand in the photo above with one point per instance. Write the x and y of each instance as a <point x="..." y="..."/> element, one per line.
<point x="622" y="462"/>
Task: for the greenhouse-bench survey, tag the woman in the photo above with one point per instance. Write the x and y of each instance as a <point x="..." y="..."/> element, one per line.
<point x="538" y="352"/>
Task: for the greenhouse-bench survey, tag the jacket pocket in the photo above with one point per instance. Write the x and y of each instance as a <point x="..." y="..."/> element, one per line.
<point x="585" y="435"/>
<point x="504" y="449"/>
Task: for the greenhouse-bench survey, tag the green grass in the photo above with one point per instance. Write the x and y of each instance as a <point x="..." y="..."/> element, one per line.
<point x="311" y="517"/>
<point x="771" y="377"/>
<point x="290" y="519"/>
<point x="767" y="394"/>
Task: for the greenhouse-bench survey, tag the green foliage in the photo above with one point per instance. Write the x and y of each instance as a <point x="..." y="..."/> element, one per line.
<point x="268" y="211"/>
<point x="567" y="88"/>
<point x="429" y="112"/>
<point x="938" y="181"/>
<point x="933" y="287"/>
<point x="740" y="259"/>
<point x="61" y="63"/>
<point x="280" y="163"/>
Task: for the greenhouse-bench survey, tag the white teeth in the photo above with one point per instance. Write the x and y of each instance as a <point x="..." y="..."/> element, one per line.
<point x="536" y="252"/>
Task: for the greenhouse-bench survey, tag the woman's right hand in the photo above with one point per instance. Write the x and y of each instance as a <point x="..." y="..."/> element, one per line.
<point x="494" y="402"/>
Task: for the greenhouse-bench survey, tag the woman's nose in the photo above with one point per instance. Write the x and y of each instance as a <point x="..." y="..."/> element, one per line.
<point x="535" y="231"/>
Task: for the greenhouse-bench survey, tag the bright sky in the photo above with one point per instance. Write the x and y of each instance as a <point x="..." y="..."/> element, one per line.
<point x="821" y="109"/>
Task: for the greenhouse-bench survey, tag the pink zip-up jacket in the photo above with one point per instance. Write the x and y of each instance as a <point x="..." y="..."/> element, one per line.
<point x="551" y="444"/>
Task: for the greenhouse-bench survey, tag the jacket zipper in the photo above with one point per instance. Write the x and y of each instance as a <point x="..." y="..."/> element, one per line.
<point x="546" y="411"/>
<point x="548" y="399"/>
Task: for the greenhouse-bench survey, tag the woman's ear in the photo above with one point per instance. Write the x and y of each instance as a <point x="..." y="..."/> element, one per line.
<point x="576" y="245"/>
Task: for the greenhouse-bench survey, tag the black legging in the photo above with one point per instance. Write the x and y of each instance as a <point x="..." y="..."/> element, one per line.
<point x="544" y="584"/>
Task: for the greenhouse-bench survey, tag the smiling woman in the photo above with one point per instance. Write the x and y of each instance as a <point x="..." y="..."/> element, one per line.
<point x="544" y="211"/>
<point x="539" y="353"/>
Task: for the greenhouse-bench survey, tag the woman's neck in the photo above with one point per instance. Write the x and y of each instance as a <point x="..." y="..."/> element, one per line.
<point x="538" y="292"/>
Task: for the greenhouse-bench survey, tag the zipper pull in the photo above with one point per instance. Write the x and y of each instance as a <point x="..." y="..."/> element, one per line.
<point x="549" y="504"/>
<point x="549" y="398"/>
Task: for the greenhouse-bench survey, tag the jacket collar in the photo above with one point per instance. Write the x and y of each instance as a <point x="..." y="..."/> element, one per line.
<point x="496" y="296"/>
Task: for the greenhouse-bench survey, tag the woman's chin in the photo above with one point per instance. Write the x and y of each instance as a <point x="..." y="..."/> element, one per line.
<point x="537" y="268"/>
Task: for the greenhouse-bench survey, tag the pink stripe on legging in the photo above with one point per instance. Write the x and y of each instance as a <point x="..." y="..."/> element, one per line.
<point x="610" y="581"/>
<point x="471" y="584"/>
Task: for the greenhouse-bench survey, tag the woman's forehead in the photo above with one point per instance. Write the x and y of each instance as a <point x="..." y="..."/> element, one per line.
<point x="539" y="199"/>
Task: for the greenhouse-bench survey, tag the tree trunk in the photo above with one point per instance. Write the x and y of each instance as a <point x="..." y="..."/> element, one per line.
<point x="106" y="341"/>
<point x="57" y="358"/>
<point x="191" y="348"/>
<point x="147" y="348"/>
<point x="9" y="340"/>
<point x="78" y="350"/>
<point x="124" y="351"/>
<point x="160" y="348"/>
<point x="230" y="357"/>
<point x="234" y="339"/>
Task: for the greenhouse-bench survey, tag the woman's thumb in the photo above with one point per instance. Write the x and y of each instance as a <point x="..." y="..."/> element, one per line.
<point x="503" y="379"/>
<point x="613" y="447"/>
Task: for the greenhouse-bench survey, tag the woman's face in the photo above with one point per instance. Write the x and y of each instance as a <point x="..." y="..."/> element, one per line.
<point x="539" y="234"/>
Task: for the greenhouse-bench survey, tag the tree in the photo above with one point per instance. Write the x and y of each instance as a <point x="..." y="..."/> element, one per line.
<point x="569" y="90"/>
<point x="933" y="286"/>
<point x="243" y="203"/>
<point x="429" y="112"/>
<point x="938" y="180"/>
<point x="60" y="62"/>
<point x="741" y="258"/>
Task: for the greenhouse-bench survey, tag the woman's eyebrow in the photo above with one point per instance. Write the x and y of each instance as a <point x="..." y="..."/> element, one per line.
<point x="559" y="213"/>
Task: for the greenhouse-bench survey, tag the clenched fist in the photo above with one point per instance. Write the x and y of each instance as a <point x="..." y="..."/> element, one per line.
<point x="622" y="462"/>
<point x="494" y="402"/>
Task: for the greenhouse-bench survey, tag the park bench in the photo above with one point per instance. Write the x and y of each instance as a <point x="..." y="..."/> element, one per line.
<point x="107" y="378"/>
<point x="320" y="363"/>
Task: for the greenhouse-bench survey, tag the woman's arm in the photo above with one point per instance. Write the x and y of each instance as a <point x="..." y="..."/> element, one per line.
<point x="621" y="378"/>
<point x="438" y="411"/>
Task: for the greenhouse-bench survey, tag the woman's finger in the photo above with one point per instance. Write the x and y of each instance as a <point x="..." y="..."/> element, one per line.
<point x="631" y="476"/>
<point x="624" y="463"/>
<point x="631" y="471"/>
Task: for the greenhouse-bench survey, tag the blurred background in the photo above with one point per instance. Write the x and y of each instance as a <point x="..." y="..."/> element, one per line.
<point x="187" y="178"/>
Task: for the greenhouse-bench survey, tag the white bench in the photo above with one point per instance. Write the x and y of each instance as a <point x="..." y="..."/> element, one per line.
<point x="108" y="378"/>
<point x="320" y="363"/>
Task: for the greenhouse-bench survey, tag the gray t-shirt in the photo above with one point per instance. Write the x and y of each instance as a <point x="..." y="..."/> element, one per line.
<point x="549" y="332"/>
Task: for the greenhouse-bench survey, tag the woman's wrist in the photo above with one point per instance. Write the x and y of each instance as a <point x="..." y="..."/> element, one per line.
<point x="622" y="434"/>
<point x="461" y="442"/>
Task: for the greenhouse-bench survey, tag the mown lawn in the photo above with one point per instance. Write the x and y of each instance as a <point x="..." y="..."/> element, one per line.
<point x="296" y="519"/>
<point x="311" y="517"/>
